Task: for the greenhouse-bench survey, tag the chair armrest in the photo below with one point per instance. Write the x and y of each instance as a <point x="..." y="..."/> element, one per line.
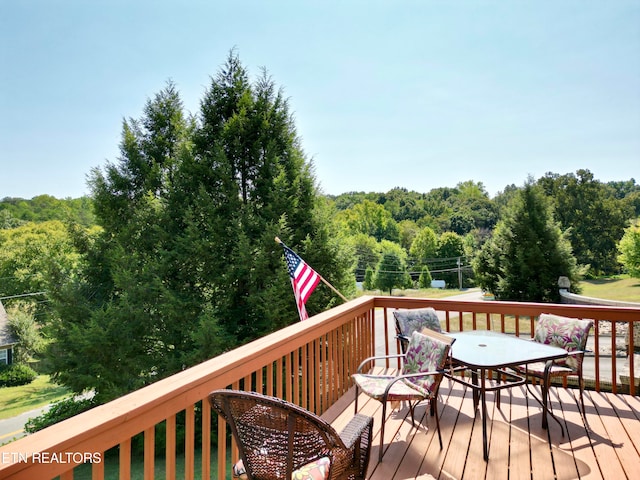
<point x="354" y="429"/>
<point x="381" y="357"/>
<point x="410" y="375"/>
<point x="577" y="352"/>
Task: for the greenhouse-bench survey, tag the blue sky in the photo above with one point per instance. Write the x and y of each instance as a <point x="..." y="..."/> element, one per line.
<point x="417" y="94"/>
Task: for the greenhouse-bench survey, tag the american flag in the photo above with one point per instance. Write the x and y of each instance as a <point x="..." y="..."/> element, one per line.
<point x="303" y="279"/>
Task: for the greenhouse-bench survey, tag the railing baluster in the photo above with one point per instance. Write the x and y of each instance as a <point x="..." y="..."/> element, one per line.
<point x="306" y="401"/>
<point x="189" y="443"/>
<point x="97" y="470"/>
<point x="149" y="453"/>
<point x="596" y="340"/>
<point x="125" y="459"/>
<point x="632" y="361"/>
<point x="289" y="383"/>
<point x="170" y="450"/>
<point x="614" y="375"/>
<point x="222" y="447"/>
<point x="206" y="440"/>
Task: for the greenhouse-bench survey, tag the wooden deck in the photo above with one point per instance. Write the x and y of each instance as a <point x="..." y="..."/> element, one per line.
<point x="519" y="448"/>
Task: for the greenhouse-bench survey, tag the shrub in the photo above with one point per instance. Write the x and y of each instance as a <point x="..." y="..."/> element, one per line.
<point x="59" y="411"/>
<point x="425" y="278"/>
<point x="16" y="375"/>
<point x="368" y="279"/>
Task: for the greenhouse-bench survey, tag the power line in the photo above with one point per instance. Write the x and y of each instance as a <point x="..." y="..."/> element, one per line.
<point x="23" y="295"/>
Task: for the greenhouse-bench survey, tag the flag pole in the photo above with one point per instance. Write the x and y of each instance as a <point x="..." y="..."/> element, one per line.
<point x="321" y="278"/>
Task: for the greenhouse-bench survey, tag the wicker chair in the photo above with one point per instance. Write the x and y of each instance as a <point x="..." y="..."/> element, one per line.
<point x="422" y="371"/>
<point x="278" y="439"/>
<point x="570" y="334"/>
<point x="414" y="320"/>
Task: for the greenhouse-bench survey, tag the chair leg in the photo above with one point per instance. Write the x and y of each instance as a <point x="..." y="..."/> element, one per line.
<point x="356" y="402"/>
<point x="384" y="417"/>
<point x="412" y="407"/>
<point x="543" y="403"/>
<point x="435" y="411"/>
<point x="583" y="412"/>
<point x="546" y="398"/>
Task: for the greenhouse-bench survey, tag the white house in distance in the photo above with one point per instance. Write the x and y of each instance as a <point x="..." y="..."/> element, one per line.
<point x="7" y="340"/>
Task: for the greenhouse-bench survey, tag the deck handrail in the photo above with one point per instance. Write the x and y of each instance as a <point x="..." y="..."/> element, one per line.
<point x="315" y="357"/>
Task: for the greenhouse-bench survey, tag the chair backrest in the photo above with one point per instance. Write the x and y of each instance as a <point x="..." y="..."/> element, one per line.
<point x="428" y="351"/>
<point x="414" y="320"/>
<point x="564" y="332"/>
<point x="274" y="437"/>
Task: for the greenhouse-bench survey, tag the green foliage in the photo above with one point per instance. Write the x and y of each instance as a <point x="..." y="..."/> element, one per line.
<point x="43" y="208"/>
<point x="26" y="331"/>
<point x="370" y="219"/>
<point x="527" y="253"/>
<point x="367" y="253"/>
<point x="16" y="374"/>
<point x="59" y="411"/>
<point x="424" y="281"/>
<point x="629" y="248"/>
<point x="391" y="272"/>
<point x="592" y="215"/>
<point x="424" y="246"/>
<point x="408" y="231"/>
<point x="29" y="254"/>
<point x="369" y="278"/>
<point x="450" y="245"/>
<point x="186" y="266"/>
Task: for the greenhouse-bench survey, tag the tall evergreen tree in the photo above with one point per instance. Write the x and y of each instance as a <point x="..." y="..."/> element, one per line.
<point x="121" y="323"/>
<point x="527" y="253"/>
<point x="186" y="265"/>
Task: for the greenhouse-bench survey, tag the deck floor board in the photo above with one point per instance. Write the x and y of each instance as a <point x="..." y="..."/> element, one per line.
<point x="519" y="447"/>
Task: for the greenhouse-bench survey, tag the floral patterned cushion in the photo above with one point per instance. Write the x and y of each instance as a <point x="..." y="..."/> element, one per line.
<point x="239" y="471"/>
<point x="424" y="354"/>
<point x="537" y="368"/>
<point x="316" y="470"/>
<point x="568" y="333"/>
<point x="375" y="386"/>
<point x="414" y="320"/>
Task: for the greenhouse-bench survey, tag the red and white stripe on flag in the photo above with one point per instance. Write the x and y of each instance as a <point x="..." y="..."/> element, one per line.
<point x="304" y="280"/>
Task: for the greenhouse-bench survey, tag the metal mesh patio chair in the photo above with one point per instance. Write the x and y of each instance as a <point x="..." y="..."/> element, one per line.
<point x="422" y="371"/>
<point x="564" y="332"/>
<point x="278" y="440"/>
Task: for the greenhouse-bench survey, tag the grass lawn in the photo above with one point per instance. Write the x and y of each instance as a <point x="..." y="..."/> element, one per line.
<point x="40" y="392"/>
<point x="621" y="288"/>
<point x="421" y="293"/>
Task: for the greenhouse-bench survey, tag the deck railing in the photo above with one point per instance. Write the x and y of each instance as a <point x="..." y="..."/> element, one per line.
<point x="309" y="363"/>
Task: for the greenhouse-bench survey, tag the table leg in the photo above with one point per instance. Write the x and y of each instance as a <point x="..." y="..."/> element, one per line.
<point x="476" y="391"/>
<point x="483" y="398"/>
<point x="546" y="383"/>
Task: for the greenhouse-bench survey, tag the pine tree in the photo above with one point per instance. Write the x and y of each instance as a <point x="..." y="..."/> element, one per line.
<point x="186" y="265"/>
<point x="424" y="281"/>
<point x="527" y="253"/>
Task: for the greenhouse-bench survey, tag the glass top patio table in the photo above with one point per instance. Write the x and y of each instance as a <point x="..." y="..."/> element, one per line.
<point x="481" y="351"/>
